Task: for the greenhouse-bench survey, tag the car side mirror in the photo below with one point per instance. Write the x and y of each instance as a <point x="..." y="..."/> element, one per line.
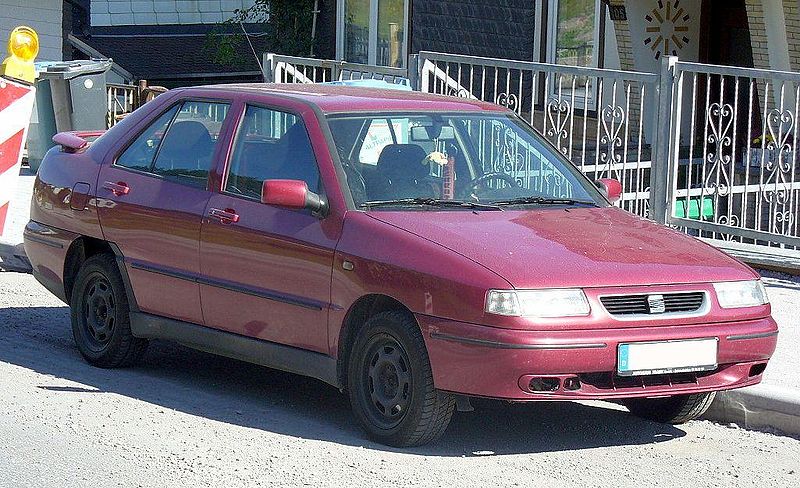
<point x="611" y="188"/>
<point x="291" y="194"/>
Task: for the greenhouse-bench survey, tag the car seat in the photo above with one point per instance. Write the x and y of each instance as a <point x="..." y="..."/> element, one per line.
<point x="401" y="170"/>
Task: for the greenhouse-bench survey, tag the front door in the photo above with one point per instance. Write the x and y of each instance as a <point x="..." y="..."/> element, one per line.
<point x="151" y="201"/>
<point x="267" y="270"/>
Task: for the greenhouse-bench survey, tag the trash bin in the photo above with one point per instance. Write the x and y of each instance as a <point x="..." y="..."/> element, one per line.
<point x="43" y="123"/>
<point x="70" y="95"/>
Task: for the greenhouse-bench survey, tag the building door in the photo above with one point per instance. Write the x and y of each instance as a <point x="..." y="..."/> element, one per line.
<point x="725" y="35"/>
<point x="372" y="32"/>
<point x="725" y="40"/>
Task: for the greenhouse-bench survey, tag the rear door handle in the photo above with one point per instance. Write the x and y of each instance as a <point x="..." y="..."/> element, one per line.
<point x="227" y="216"/>
<point x="119" y="188"/>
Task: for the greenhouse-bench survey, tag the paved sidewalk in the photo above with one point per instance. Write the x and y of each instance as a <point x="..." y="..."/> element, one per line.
<point x="20" y="209"/>
<point x="784" y="293"/>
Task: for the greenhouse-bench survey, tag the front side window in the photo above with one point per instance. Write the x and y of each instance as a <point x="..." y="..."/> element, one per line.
<point x="270" y="145"/>
<point x="179" y="146"/>
<point x="460" y="157"/>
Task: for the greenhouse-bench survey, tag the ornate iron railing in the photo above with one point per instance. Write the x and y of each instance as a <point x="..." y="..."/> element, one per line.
<point x="733" y="154"/>
<point x="708" y="149"/>
<point x="602" y="120"/>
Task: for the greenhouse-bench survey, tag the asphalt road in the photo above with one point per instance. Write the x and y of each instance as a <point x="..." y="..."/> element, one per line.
<point x="185" y="418"/>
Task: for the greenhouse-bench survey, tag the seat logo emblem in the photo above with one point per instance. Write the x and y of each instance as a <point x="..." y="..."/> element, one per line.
<point x="656" y="303"/>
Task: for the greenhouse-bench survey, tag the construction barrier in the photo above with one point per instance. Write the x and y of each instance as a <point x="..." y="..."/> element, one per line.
<point x="17" y="95"/>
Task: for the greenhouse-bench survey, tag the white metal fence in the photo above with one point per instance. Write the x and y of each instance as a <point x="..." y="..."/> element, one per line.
<point x="734" y="162"/>
<point x="708" y="149"/>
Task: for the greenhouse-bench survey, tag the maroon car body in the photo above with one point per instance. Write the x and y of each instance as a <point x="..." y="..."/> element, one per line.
<point x="244" y="273"/>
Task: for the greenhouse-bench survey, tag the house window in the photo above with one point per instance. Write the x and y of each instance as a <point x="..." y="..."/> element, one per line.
<point x="373" y="32"/>
<point x="575" y="39"/>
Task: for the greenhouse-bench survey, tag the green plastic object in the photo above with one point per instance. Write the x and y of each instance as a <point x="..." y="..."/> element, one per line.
<point x="694" y="208"/>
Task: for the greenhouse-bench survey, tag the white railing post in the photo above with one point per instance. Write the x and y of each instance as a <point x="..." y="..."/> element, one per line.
<point x="269" y="68"/>
<point x="665" y="143"/>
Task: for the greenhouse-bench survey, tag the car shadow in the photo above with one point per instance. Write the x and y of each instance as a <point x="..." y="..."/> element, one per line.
<point x="178" y="378"/>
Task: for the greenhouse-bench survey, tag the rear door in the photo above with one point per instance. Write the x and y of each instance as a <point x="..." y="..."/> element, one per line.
<point x="151" y="200"/>
<point x="266" y="269"/>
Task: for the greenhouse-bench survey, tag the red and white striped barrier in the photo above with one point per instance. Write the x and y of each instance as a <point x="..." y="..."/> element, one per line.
<point x="16" y="106"/>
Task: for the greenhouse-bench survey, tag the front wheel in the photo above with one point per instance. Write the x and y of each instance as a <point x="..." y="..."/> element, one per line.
<point x="676" y="409"/>
<point x="390" y="383"/>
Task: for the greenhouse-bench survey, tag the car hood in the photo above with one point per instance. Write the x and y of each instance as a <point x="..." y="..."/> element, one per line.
<point x="554" y="247"/>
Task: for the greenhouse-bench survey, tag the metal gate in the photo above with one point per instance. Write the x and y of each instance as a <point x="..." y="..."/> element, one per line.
<point x="602" y="120"/>
<point x="733" y="156"/>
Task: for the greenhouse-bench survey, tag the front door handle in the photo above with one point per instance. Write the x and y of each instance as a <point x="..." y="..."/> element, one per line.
<point x="227" y="216"/>
<point x="119" y="188"/>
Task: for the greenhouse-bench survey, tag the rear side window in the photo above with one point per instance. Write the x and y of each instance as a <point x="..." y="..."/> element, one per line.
<point x="179" y="145"/>
<point x="270" y="145"/>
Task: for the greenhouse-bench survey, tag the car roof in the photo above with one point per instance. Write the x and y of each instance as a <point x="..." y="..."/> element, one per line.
<point x="342" y="99"/>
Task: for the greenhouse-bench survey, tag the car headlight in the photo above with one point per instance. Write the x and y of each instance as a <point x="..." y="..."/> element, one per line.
<point x="537" y="303"/>
<point x="739" y="294"/>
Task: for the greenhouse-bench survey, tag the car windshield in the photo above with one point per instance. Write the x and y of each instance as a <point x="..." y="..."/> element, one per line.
<point x="437" y="160"/>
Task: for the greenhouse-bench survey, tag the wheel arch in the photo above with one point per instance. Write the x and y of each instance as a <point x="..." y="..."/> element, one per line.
<point x="361" y="310"/>
<point x="82" y="249"/>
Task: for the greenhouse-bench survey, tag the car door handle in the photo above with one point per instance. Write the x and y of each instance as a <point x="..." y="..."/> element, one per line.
<point x="118" y="189"/>
<point x="227" y="216"/>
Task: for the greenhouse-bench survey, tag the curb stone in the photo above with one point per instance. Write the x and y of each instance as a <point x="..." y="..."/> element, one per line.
<point x="13" y="258"/>
<point x="759" y="407"/>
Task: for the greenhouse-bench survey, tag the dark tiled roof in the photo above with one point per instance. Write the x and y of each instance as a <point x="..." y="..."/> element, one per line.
<point x="154" y="55"/>
<point x="491" y="28"/>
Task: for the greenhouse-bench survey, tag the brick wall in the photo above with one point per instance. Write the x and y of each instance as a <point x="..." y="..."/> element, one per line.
<point x="148" y="12"/>
<point x="622" y="32"/>
<point x="492" y="28"/>
<point x="758" y="33"/>
<point x="791" y="12"/>
<point x="44" y="16"/>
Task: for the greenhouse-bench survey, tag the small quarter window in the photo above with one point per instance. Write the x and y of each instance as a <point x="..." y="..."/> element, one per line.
<point x="270" y="145"/>
<point x="140" y="154"/>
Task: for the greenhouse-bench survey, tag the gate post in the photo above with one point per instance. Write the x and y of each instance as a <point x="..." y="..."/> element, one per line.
<point x="665" y="142"/>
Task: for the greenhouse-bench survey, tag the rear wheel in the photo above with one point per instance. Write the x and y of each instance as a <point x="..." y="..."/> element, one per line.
<point x="101" y="317"/>
<point x="676" y="409"/>
<point x="391" y="385"/>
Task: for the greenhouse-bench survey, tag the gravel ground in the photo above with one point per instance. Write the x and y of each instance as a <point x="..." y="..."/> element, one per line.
<point x="185" y="418"/>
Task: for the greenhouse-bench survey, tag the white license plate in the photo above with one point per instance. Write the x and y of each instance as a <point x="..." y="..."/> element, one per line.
<point x="646" y="358"/>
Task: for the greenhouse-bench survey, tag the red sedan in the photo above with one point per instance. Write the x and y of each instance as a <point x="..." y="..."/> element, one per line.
<point x="412" y="250"/>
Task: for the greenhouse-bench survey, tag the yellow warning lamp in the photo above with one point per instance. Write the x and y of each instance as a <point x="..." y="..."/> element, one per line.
<point x="23" y="46"/>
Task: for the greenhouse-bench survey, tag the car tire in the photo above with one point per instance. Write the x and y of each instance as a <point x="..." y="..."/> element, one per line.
<point x="676" y="409"/>
<point x="101" y="316"/>
<point x="390" y="383"/>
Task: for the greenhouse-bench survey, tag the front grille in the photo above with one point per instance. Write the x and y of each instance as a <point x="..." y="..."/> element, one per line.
<point x="610" y="381"/>
<point x="683" y="302"/>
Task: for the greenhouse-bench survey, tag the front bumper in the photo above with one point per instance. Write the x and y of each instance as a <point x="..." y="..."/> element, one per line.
<point x="500" y="363"/>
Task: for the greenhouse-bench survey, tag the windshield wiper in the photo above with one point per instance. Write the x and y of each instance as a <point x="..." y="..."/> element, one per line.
<point x="434" y="202"/>
<point x="543" y="201"/>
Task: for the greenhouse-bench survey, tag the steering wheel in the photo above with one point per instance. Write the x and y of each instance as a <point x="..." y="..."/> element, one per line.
<point x="476" y="182"/>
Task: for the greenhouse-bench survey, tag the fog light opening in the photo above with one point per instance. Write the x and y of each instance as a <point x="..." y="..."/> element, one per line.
<point x="572" y="384"/>
<point x="757" y="369"/>
<point x="542" y="384"/>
